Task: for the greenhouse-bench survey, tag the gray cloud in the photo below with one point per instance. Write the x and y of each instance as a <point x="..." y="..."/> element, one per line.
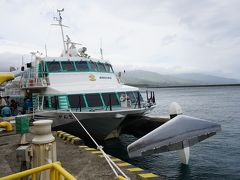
<point x="9" y="59"/>
<point x="166" y="36"/>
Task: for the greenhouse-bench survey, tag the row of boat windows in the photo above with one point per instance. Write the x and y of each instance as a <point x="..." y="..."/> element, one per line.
<point x="72" y="66"/>
<point x="92" y="100"/>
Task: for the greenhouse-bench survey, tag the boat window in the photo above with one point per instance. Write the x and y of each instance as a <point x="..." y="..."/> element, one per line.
<point x="46" y="102"/>
<point x="93" y="100"/>
<point x="82" y="66"/>
<point x="68" y="66"/>
<point x="93" y="66"/>
<point x="76" y="101"/>
<point x="108" y="67"/>
<point x="101" y="67"/>
<point x="136" y="95"/>
<point x="54" y="102"/>
<point x="121" y="94"/>
<point x="40" y="101"/>
<point x="114" y="100"/>
<point x="53" y="66"/>
<point x="131" y="96"/>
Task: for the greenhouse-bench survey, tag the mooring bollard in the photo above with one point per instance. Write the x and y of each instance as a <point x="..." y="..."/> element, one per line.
<point x="43" y="146"/>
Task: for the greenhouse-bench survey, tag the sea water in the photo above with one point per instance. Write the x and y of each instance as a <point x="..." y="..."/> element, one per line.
<point x="215" y="158"/>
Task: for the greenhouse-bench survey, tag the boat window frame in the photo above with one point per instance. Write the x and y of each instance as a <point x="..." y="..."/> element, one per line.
<point x="88" y="62"/>
<point x="116" y="105"/>
<point x="90" y="66"/>
<point x="73" y="62"/>
<point x="103" y="65"/>
<point x="111" y="69"/>
<point x="78" y="70"/>
<point x="57" y="107"/>
<point x="94" y="107"/>
<point x="59" y="62"/>
<point x="133" y="96"/>
<point x="84" y="100"/>
<point x="46" y="99"/>
<point x="141" y="98"/>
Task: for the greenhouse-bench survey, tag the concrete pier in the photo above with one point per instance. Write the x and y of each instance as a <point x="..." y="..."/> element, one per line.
<point x="79" y="160"/>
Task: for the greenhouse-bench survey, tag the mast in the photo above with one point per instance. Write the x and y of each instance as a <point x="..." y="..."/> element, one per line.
<point x="60" y="24"/>
<point x="59" y="20"/>
<point x="46" y="50"/>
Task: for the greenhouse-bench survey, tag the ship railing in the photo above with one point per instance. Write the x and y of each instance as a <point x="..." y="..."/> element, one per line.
<point x="150" y="97"/>
<point x="34" y="82"/>
<point x="12" y="92"/>
<point x="140" y="103"/>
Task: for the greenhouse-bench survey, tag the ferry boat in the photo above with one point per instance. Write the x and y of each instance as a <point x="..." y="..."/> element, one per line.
<point x="75" y="87"/>
<point x="87" y="86"/>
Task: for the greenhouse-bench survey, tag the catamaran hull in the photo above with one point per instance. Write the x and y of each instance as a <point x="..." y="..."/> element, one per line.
<point x="99" y="124"/>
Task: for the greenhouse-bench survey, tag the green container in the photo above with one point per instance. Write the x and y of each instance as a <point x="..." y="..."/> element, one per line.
<point x="22" y="124"/>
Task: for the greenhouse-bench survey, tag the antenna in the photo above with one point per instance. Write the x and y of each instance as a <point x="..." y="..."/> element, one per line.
<point x="59" y="20"/>
<point x="46" y="50"/>
<point x="22" y="61"/>
<point x="101" y="51"/>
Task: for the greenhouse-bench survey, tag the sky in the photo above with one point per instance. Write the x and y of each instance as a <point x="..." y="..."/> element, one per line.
<point x="164" y="36"/>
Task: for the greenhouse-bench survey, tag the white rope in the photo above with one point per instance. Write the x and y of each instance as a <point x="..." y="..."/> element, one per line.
<point x="108" y="159"/>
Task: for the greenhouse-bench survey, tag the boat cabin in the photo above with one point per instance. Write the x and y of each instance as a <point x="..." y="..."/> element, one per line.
<point x="88" y="101"/>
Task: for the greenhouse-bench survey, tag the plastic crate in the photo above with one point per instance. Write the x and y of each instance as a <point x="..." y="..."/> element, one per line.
<point x="22" y="124"/>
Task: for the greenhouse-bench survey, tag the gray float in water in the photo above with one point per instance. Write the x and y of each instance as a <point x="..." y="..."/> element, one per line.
<point x="179" y="133"/>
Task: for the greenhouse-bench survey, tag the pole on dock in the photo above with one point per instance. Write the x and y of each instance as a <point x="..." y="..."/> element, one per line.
<point x="43" y="146"/>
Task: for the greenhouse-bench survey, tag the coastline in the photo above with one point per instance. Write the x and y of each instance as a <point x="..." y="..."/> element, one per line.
<point x="181" y="86"/>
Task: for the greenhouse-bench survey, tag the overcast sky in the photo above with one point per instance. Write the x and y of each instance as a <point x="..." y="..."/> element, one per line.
<point x="165" y="36"/>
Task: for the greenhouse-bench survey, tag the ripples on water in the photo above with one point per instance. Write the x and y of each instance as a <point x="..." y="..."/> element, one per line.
<point x="215" y="158"/>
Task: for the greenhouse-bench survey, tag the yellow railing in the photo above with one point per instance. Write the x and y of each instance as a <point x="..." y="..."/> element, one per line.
<point x="56" y="173"/>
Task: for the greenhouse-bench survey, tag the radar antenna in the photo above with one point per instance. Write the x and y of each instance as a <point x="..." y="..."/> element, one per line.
<point x="59" y="20"/>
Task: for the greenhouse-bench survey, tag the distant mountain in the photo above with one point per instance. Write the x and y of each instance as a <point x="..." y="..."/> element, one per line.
<point x="147" y="78"/>
<point x="208" y="79"/>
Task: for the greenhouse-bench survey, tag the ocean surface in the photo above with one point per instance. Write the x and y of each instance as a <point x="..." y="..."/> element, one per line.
<point x="215" y="158"/>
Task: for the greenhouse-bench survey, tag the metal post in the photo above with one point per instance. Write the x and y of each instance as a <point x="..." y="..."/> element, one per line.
<point x="110" y="102"/>
<point x="139" y="103"/>
<point x="80" y="106"/>
<point x="153" y="97"/>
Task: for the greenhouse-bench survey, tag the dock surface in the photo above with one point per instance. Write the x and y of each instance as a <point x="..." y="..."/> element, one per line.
<point x="81" y="161"/>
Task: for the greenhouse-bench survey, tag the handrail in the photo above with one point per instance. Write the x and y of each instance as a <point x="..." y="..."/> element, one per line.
<point x="33" y="82"/>
<point x="56" y="171"/>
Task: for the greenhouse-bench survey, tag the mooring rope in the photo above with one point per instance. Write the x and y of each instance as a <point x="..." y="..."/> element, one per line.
<point x="108" y="159"/>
